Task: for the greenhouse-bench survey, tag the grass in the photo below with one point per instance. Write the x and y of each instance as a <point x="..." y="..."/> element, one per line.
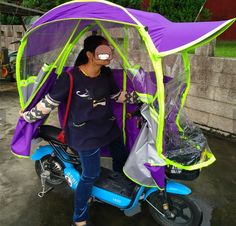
<point x="225" y="49"/>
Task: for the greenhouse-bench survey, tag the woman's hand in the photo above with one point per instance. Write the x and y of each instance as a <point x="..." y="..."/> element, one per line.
<point x="21" y="113"/>
<point x="122" y="97"/>
<point x="41" y="110"/>
<point x="129" y="98"/>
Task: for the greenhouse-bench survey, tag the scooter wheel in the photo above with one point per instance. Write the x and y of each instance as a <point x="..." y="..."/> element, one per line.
<point x="54" y="166"/>
<point x="186" y="212"/>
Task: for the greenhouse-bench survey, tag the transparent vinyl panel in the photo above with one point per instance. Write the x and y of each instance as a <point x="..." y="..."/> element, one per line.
<point x="130" y="55"/>
<point x="44" y="50"/>
<point x="185" y="143"/>
<point x="33" y="70"/>
<point x="132" y="68"/>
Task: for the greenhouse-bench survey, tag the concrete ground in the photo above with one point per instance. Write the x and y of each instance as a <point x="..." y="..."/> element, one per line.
<point x="214" y="190"/>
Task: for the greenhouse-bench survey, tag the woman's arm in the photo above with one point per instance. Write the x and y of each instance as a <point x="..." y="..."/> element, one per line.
<point x="42" y="109"/>
<point x="50" y="101"/>
<point x="124" y="96"/>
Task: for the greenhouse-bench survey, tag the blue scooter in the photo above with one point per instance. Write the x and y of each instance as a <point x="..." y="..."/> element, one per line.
<point x="56" y="163"/>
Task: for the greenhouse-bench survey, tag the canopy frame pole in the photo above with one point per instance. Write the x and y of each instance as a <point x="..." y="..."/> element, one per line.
<point x="160" y="93"/>
<point x="71" y="46"/>
<point x="124" y="110"/>
<point x="18" y="61"/>
<point x="64" y="50"/>
<point x="126" y="64"/>
<point x="107" y="35"/>
<point x="185" y="93"/>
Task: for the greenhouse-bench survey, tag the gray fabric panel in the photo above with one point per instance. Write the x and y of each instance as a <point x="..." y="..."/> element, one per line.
<point x="143" y="151"/>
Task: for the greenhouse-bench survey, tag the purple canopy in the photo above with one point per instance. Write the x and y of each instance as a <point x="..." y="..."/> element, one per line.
<point x="168" y="37"/>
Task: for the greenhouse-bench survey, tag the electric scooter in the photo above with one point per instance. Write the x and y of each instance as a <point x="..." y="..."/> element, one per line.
<point x="56" y="163"/>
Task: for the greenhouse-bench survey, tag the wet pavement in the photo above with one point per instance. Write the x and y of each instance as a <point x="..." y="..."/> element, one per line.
<point x="214" y="190"/>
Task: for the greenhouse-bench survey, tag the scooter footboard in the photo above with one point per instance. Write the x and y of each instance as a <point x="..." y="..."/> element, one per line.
<point x="172" y="187"/>
<point x="102" y="193"/>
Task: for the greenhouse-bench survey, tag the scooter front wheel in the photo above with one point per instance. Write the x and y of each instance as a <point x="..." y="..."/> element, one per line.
<point x="186" y="212"/>
<point x="54" y="166"/>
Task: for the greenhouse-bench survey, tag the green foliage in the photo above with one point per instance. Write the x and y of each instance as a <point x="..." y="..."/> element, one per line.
<point x="47" y="5"/>
<point x="8" y="19"/>
<point x="205" y="15"/>
<point x="135" y="4"/>
<point x="174" y="10"/>
<point x="177" y="10"/>
<point x="42" y="4"/>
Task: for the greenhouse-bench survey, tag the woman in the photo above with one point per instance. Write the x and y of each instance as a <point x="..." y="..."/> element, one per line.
<point x="91" y="123"/>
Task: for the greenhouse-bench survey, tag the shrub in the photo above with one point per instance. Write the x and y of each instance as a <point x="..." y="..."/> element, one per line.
<point x="135" y="4"/>
<point x="178" y="10"/>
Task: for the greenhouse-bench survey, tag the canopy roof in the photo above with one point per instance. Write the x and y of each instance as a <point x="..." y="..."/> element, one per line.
<point x="168" y="37"/>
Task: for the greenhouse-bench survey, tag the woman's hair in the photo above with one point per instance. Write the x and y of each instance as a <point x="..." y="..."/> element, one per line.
<point x="90" y="44"/>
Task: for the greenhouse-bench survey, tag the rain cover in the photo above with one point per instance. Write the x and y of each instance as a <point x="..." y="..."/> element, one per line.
<point x="185" y="144"/>
<point x="48" y="43"/>
<point x="143" y="157"/>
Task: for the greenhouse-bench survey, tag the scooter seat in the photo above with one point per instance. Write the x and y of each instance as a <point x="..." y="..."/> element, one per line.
<point x="50" y="133"/>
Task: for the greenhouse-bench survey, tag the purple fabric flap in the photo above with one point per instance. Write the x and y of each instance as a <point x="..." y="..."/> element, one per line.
<point x="25" y="132"/>
<point x="158" y="174"/>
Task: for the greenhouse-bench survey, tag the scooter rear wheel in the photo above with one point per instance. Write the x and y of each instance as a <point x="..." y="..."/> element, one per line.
<point x="54" y="165"/>
<point x="187" y="213"/>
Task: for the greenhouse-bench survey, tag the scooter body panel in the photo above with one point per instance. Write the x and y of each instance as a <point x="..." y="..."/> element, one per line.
<point x="72" y="177"/>
<point x="41" y="151"/>
<point x="171" y="187"/>
<point x="111" y="198"/>
<point x="137" y="197"/>
<point x="177" y="188"/>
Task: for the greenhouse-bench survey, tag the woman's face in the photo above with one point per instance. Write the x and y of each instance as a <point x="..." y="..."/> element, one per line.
<point x="102" y="55"/>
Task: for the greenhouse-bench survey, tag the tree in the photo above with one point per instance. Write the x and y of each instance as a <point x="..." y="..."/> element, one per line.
<point x="9" y="19"/>
<point x="42" y="4"/>
<point x="135" y="4"/>
<point x="178" y="10"/>
<point x="47" y="5"/>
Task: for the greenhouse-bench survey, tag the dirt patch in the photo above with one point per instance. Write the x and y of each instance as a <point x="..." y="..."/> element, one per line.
<point x="6" y="86"/>
<point x="9" y="107"/>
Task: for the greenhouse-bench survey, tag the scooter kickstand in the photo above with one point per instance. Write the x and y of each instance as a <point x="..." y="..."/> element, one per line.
<point x="44" y="175"/>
